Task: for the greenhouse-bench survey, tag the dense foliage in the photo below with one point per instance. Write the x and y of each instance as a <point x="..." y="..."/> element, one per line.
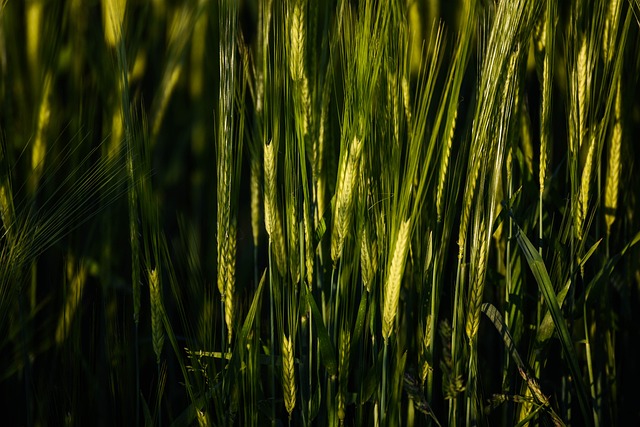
<point x="319" y="212"/>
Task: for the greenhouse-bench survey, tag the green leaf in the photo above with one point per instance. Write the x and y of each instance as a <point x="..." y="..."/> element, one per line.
<point x="544" y="284"/>
<point x="595" y="284"/>
<point x="326" y="347"/>
<point x="372" y="379"/>
<point x="359" y="326"/>
<point x="316" y="400"/>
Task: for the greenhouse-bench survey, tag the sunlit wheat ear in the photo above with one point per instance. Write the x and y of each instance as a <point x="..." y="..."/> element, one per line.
<point x="39" y="148"/>
<point x="610" y="30"/>
<point x="582" y="81"/>
<point x="393" y="103"/>
<point x="345" y="195"/>
<point x="297" y="42"/>
<point x="230" y="283"/>
<point x="444" y="160"/>
<point x="272" y="220"/>
<point x="157" y="329"/>
<point x="112" y="19"/>
<point x="585" y="184"/>
<point x="343" y="373"/>
<point x="394" y="279"/>
<point x="425" y="367"/>
<point x="288" y="375"/>
<point x="613" y="163"/>
<point x="203" y="420"/>
<point x="297" y="36"/>
<point x="406" y="97"/>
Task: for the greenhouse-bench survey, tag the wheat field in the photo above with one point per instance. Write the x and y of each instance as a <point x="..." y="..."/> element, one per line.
<point x="299" y="212"/>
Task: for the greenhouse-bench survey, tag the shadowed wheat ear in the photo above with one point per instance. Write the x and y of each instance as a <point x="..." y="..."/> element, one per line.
<point x="467" y="202"/>
<point x="293" y="238"/>
<point x="255" y="185"/>
<point x="7" y="210"/>
<point x="394" y="279"/>
<point x="368" y="258"/>
<point x="308" y="245"/>
<point x="479" y="260"/>
<point x="613" y="163"/>
<point x="288" y="375"/>
<point x="343" y="373"/>
<point x="272" y="220"/>
<point x="155" y="296"/>
<point x="345" y="195"/>
<point x="76" y="276"/>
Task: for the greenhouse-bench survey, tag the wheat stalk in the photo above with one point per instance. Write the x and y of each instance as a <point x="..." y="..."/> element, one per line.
<point x="394" y="279"/>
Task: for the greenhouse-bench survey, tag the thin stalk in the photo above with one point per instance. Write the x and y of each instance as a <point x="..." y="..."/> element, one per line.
<point x="272" y="345"/>
<point x="592" y="383"/>
<point x="383" y="392"/>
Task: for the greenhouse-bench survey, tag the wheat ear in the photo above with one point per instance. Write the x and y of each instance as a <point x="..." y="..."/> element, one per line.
<point x="272" y="220"/>
<point x="155" y="296"/>
<point x="288" y="375"/>
<point x="613" y="164"/>
<point x="345" y="195"/>
<point x="394" y="279"/>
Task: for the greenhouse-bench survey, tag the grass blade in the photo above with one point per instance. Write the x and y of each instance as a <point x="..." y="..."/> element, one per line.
<point x="544" y="284"/>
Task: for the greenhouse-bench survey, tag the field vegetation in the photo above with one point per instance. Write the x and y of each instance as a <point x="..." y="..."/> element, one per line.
<point x="299" y="212"/>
